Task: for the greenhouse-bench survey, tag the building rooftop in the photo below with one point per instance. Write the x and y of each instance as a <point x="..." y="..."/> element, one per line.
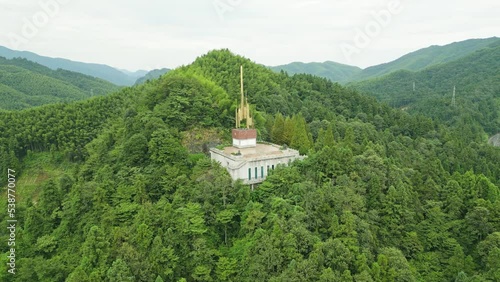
<point x="261" y="151"/>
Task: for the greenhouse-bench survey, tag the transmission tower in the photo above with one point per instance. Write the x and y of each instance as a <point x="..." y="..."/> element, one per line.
<point x="453" y="101"/>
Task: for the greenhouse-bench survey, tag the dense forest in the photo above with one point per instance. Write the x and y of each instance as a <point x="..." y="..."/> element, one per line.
<point x="119" y="188"/>
<point x="24" y="84"/>
<point x="476" y="79"/>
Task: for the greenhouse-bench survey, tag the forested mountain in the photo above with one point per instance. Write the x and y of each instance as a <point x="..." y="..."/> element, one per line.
<point x="427" y="57"/>
<point x="154" y="74"/>
<point x="96" y="70"/>
<point x="107" y="189"/>
<point x="476" y="79"/>
<point x="414" y="61"/>
<point x="25" y="84"/>
<point x="334" y="71"/>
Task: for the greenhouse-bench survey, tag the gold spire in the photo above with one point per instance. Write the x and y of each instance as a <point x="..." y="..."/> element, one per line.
<point x="243" y="112"/>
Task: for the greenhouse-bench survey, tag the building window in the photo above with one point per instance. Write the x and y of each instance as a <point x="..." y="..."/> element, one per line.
<point x="256" y="175"/>
<point x="267" y="169"/>
<point x="249" y="174"/>
<point x="273" y="167"/>
<point x="262" y="171"/>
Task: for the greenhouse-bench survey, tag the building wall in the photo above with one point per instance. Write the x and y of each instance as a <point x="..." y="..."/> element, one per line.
<point x="238" y="167"/>
<point x="244" y="143"/>
<point x="243" y="173"/>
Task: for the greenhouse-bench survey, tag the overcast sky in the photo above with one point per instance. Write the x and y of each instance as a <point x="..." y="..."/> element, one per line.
<point x="152" y="34"/>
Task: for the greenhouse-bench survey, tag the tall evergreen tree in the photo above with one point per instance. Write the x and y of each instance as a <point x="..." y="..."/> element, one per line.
<point x="300" y="139"/>
<point x="325" y="137"/>
<point x="289" y="130"/>
<point x="278" y="130"/>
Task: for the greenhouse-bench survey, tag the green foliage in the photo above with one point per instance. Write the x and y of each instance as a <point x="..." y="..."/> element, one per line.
<point x="292" y="131"/>
<point x="300" y="139"/>
<point x="278" y="130"/>
<point x="103" y="72"/>
<point x="475" y="77"/>
<point x="25" y="84"/>
<point x="226" y="269"/>
<point x="166" y="148"/>
<point x="119" y="272"/>
<point x="382" y="195"/>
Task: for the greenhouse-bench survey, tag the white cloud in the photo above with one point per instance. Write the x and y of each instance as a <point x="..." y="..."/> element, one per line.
<point x="142" y="34"/>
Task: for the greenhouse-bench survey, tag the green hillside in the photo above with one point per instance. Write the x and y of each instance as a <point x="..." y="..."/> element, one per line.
<point x="334" y="71"/>
<point x="25" y="84"/>
<point x="414" y="61"/>
<point x="476" y="78"/>
<point x="101" y="71"/>
<point x="430" y="56"/>
<point x="111" y="189"/>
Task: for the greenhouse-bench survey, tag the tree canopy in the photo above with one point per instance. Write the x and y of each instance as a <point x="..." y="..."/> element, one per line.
<point x="108" y="190"/>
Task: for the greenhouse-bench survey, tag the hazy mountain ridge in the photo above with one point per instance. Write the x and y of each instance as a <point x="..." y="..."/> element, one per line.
<point x="102" y="71"/>
<point x="426" y="57"/>
<point x="475" y="77"/>
<point x="414" y="61"/>
<point x="336" y="72"/>
<point x="154" y="74"/>
<point x="135" y="74"/>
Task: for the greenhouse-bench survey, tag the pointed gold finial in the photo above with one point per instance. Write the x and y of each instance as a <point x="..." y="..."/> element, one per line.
<point x="243" y="112"/>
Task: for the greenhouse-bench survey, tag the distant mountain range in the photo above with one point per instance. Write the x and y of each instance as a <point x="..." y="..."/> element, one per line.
<point x="420" y="82"/>
<point x="154" y="74"/>
<point x="115" y="76"/>
<point x="473" y="79"/>
<point x="413" y="61"/>
<point x="427" y="57"/>
<point x="423" y="82"/>
<point x="25" y="84"/>
<point x="469" y="73"/>
<point x="334" y="71"/>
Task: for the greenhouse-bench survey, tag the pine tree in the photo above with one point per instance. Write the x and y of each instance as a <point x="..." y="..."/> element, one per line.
<point x="119" y="272"/>
<point x="277" y="132"/>
<point x="288" y="131"/>
<point x="325" y="137"/>
<point x="300" y="139"/>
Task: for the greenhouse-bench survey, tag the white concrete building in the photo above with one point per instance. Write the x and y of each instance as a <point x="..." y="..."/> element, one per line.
<point x="247" y="160"/>
<point x="251" y="163"/>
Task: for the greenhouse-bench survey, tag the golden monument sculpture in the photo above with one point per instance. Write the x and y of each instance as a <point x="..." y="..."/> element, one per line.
<point x="243" y="112"/>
